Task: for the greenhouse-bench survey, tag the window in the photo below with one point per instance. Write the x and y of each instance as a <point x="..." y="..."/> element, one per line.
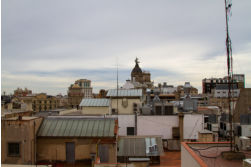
<point x="206" y="119"/>
<point x="114" y="111"/>
<point x="158" y="110"/>
<point x="135" y="107"/>
<point x="13" y="149"/>
<point x="168" y="110"/>
<point x="130" y="131"/>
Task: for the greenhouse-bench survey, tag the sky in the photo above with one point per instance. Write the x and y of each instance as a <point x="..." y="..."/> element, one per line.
<point x="47" y="45"/>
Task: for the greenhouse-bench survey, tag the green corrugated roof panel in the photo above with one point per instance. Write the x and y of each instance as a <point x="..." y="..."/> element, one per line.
<point x="112" y="124"/>
<point x="84" y="128"/>
<point x="77" y="127"/>
<point x="101" y="128"/>
<point x="107" y="127"/>
<point x="73" y="128"/>
<point x="62" y="128"/>
<point x="89" y="128"/>
<point x="95" y="128"/>
<point x="52" y="128"/>
<point x="41" y="128"/>
<point x="67" y="127"/>
<point x="46" y="128"/>
<point x="58" y="127"/>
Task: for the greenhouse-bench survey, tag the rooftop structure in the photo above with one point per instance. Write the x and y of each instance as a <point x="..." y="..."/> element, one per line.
<point x="140" y="146"/>
<point x="124" y="93"/>
<point x="95" y="103"/>
<point x="207" y="154"/>
<point x="77" y="127"/>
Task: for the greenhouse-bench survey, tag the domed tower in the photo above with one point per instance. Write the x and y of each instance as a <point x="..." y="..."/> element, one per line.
<point x="137" y="74"/>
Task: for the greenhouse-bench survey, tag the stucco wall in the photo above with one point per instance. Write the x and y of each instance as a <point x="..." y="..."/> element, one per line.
<point x="124" y="122"/>
<point x="193" y="123"/>
<point x="205" y="137"/>
<point x="124" y="110"/>
<point x="49" y="150"/>
<point x="187" y="159"/>
<point x="95" y="110"/>
<point x="157" y="125"/>
<point x="23" y="132"/>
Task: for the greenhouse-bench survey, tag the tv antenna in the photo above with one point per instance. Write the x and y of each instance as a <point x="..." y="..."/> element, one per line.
<point x="228" y="5"/>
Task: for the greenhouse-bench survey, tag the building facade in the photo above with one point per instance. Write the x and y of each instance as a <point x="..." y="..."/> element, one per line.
<point x="43" y="102"/>
<point x="18" y="140"/>
<point x="125" y="101"/>
<point x="139" y="79"/>
<point x="68" y="140"/>
<point x="19" y="92"/>
<point x="79" y="90"/>
<point x="208" y="84"/>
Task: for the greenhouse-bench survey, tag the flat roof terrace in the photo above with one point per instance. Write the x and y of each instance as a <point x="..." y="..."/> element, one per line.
<point x="208" y="154"/>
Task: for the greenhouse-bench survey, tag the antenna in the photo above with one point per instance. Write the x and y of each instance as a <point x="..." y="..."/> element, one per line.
<point x="117" y="85"/>
<point x="228" y="5"/>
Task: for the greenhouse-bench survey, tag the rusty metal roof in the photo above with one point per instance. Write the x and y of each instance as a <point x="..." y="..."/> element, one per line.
<point x="135" y="146"/>
<point x="77" y="127"/>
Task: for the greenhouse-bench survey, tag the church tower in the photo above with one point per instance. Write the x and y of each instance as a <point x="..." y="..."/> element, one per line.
<point x="137" y="74"/>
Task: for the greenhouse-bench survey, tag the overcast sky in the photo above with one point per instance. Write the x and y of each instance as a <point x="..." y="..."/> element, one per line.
<point x="48" y="44"/>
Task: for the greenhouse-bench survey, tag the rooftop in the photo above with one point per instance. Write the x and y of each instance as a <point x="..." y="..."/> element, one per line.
<point x="209" y="154"/>
<point x="77" y="127"/>
<point x="124" y="93"/>
<point x="139" y="146"/>
<point x="86" y="102"/>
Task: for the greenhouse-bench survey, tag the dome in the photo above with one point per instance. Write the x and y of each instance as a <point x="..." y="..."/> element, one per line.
<point x="75" y="86"/>
<point x="136" y="69"/>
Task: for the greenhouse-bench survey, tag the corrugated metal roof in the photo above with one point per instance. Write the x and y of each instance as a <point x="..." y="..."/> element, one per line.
<point x="137" y="146"/>
<point x="95" y="103"/>
<point x="124" y="93"/>
<point x="77" y="127"/>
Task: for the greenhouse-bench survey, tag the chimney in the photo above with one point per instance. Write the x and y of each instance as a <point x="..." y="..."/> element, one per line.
<point x="148" y="97"/>
<point x="181" y="126"/>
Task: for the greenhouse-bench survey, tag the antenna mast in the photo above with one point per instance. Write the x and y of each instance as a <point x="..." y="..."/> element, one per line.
<point x="228" y="5"/>
<point x="117" y="85"/>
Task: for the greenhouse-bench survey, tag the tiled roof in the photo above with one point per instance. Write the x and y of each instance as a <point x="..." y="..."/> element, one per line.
<point x="124" y="93"/>
<point x="95" y="102"/>
<point x="77" y="127"/>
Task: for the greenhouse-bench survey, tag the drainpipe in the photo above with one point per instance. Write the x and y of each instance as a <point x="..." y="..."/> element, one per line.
<point x="97" y="154"/>
<point x="136" y="126"/>
<point x="181" y="126"/>
<point x="35" y="144"/>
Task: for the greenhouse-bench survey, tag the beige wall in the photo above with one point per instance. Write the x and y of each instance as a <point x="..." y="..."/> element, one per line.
<point x="19" y="132"/>
<point x="187" y="160"/>
<point x="127" y="109"/>
<point x="55" y="149"/>
<point x="205" y="137"/>
<point x="95" y="110"/>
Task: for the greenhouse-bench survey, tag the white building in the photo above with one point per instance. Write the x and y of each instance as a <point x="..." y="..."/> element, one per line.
<point x="222" y="91"/>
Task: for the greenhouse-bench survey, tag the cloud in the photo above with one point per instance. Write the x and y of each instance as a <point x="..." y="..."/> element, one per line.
<point x="47" y="45"/>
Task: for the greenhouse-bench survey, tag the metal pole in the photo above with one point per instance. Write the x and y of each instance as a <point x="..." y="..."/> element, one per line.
<point x="229" y="71"/>
<point x="117" y="86"/>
